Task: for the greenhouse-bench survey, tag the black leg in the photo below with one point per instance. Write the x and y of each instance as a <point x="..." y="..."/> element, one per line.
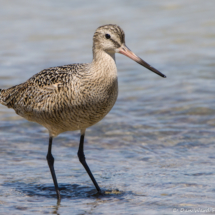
<point x="50" y="160"/>
<point x="81" y="157"/>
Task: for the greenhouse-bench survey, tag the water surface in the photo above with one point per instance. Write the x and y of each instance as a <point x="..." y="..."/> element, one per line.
<point x="154" y="152"/>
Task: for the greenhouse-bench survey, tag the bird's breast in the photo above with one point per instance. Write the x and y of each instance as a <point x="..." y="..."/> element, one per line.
<point x="97" y="99"/>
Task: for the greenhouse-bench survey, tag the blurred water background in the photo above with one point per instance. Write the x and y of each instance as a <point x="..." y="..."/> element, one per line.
<point x="154" y="152"/>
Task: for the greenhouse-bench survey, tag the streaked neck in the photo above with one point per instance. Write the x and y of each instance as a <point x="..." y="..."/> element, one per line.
<point x="103" y="64"/>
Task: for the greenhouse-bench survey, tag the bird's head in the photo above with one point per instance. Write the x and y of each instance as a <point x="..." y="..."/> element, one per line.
<point x="111" y="39"/>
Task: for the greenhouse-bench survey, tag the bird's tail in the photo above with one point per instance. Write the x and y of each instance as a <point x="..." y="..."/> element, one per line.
<point x="0" y="95"/>
<point x="1" y="99"/>
<point x="7" y="96"/>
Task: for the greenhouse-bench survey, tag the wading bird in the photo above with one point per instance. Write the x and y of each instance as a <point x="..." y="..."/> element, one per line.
<point x="76" y="96"/>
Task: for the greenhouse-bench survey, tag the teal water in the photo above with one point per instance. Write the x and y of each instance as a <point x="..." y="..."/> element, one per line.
<point x="154" y="152"/>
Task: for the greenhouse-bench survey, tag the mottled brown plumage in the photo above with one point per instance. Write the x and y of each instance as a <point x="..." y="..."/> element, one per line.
<point x="63" y="98"/>
<point x="76" y="96"/>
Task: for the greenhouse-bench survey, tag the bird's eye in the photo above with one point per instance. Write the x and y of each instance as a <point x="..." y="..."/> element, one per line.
<point x="107" y="36"/>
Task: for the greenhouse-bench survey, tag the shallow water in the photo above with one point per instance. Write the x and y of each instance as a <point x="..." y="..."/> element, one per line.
<point x="154" y="152"/>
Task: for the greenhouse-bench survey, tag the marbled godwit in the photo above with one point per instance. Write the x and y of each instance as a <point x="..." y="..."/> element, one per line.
<point x="76" y="96"/>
